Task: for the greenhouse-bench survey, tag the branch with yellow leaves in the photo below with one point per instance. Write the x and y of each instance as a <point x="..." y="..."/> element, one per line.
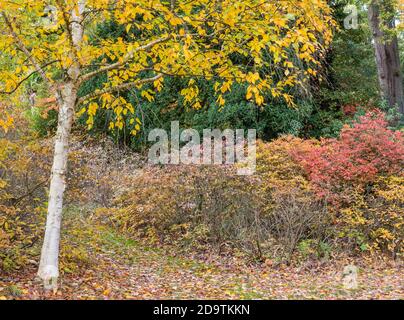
<point x="129" y="56"/>
<point x="24" y="49"/>
<point x="121" y="87"/>
<point x="119" y="64"/>
<point x="18" y="84"/>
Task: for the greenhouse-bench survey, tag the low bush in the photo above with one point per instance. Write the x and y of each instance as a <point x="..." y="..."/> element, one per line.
<point x="364" y="151"/>
<point x="361" y="173"/>
<point x="190" y="205"/>
<point x="210" y="206"/>
<point x="22" y="189"/>
<point x="292" y="212"/>
<point x="25" y="165"/>
<point x="373" y="219"/>
<point x="306" y="195"/>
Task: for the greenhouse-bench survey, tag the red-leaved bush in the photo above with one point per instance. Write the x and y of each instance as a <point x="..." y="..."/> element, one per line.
<point x="365" y="150"/>
<point x="350" y="109"/>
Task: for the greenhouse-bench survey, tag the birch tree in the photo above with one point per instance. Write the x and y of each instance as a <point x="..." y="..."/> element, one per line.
<point x="281" y="44"/>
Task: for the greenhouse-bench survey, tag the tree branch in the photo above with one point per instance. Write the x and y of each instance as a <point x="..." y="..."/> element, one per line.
<point x="29" y="192"/>
<point x="24" y="49"/>
<point x="119" y="64"/>
<point x="124" y="86"/>
<point x="26" y="78"/>
<point x="129" y="56"/>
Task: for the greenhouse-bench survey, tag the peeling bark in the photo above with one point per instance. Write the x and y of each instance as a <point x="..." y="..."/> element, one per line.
<point x="67" y="98"/>
<point x="49" y="265"/>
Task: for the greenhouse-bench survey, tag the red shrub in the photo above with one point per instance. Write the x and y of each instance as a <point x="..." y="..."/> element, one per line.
<point x="349" y="109"/>
<point x="362" y="152"/>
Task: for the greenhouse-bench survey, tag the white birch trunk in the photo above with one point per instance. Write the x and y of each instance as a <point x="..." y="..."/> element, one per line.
<point x="49" y="265"/>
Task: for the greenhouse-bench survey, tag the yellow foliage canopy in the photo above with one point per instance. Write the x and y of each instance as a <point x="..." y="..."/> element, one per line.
<point x="279" y="44"/>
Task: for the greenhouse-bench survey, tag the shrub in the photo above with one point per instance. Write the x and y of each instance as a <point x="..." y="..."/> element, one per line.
<point x="292" y="212"/>
<point x="361" y="173"/>
<point x="192" y="206"/>
<point x="284" y="206"/>
<point x="276" y="166"/>
<point x="373" y="220"/>
<point x="43" y="122"/>
<point x="21" y="211"/>
<point x="210" y="206"/>
<point x="364" y="151"/>
<point x="24" y="170"/>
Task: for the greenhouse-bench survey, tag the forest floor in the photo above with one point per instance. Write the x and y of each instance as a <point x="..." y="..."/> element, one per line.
<point x="121" y="268"/>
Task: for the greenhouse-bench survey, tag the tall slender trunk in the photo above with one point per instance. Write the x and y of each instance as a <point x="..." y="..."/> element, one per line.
<point x="49" y="265"/>
<point x="387" y="60"/>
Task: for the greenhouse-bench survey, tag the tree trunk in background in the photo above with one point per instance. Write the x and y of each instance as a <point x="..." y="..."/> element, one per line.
<point x="387" y="61"/>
